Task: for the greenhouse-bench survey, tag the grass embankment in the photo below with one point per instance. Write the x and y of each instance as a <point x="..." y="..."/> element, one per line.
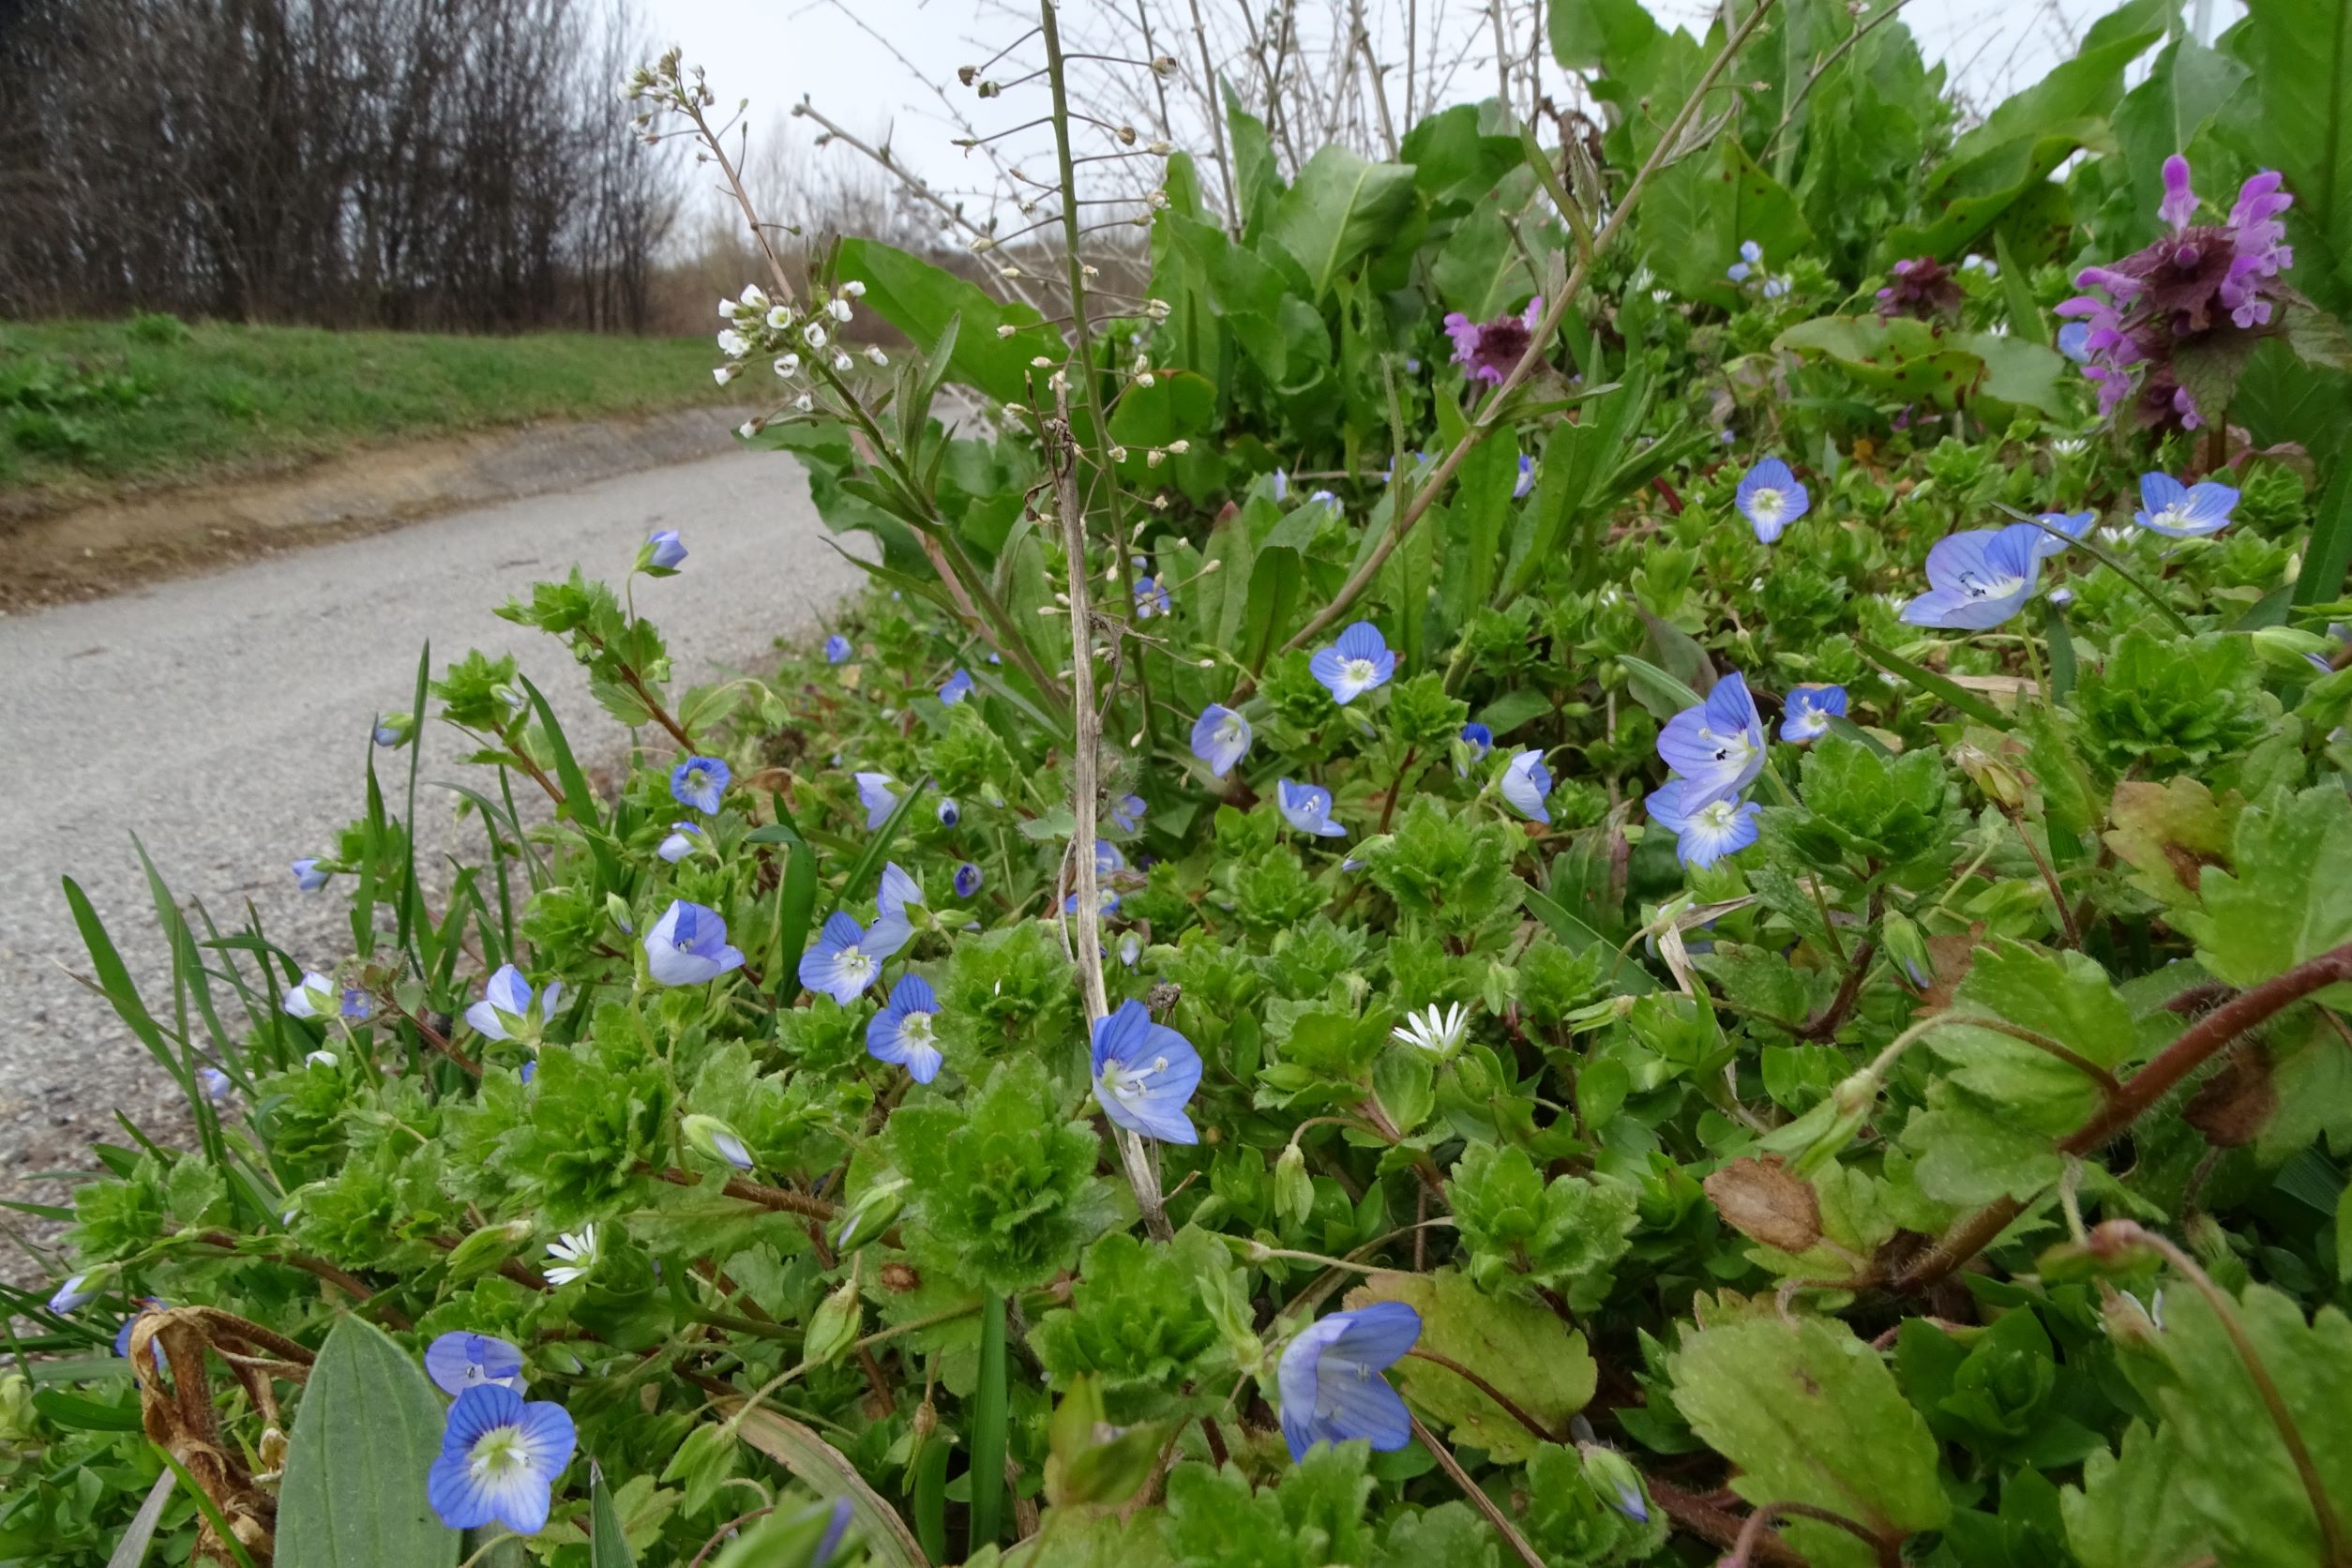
<point x="90" y="410"/>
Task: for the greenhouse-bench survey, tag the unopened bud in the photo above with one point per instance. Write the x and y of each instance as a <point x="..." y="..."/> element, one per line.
<point x="833" y="1328"/>
<point x="1908" y="949"/>
<point x="718" y="1139"/>
<point x="1614" y="1480"/>
<point x="1294" y="1192"/>
<point x="1999" y="782"/>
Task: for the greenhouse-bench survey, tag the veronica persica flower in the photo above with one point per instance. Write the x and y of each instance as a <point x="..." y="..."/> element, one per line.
<point x="948" y="812"/>
<point x="216" y="1082"/>
<point x="2072" y="524"/>
<point x="664" y="550"/>
<point x="718" y="1139"/>
<point x="1307" y="808"/>
<point x="1332" y="1387"/>
<point x="1281" y="487"/>
<point x="688" y="945"/>
<point x="307" y="874"/>
<point x="1220" y="737"/>
<point x="1477" y="741"/>
<point x="1705" y="830"/>
<point x="1719" y="744"/>
<point x="460" y="1360"/>
<point x="846" y="958"/>
<point x="2183" y="511"/>
<point x="699" y="781"/>
<point x="1151" y="599"/>
<point x="1527" y="479"/>
<point x="1144" y="1073"/>
<point x="836" y="649"/>
<point x="875" y="795"/>
<point x="897" y="891"/>
<point x="1525" y="783"/>
<point x="904" y="1032"/>
<point x="680" y="843"/>
<point x="968" y="879"/>
<point x="1751" y="257"/>
<point x="122" y="1335"/>
<point x="506" y="1005"/>
<point x="1771" y="499"/>
<point x="77" y="1292"/>
<point x="393" y="730"/>
<point x="575" y="1252"/>
<point x="1352" y="666"/>
<point x="312" y="997"/>
<point x="955" y="687"/>
<point x="1809" y="711"/>
<point x="1130" y="949"/>
<point x="1127" y="811"/>
<point x="1978" y="578"/>
<point x="498" y="1459"/>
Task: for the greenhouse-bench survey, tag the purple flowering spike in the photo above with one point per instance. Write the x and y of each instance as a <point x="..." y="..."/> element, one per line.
<point x="1978" y="578"/>
<point x="498" y="1459"/>
<point x="1719" y="744"/>
<point x="1704" y="830"/>
<point x="1332" y="1390"/>
<point x="1357" y="662"/>
<point x="2181" y="511"/>
<point x="903" y="1031"/>
<point x="1144" y="1072"/>
<point x="1490" y="351"/>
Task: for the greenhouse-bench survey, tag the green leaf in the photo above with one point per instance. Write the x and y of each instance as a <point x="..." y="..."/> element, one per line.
<point x="1521" y="1347"/>
<point x="368" y="1432"/>
<point x="2066" y="998"/>
<point x="1700" y="211"/>
<point x="989" y="1422"/>
<point x="1958" y="696"/>
<point x="920" y="299"/>
<point x="827" y="1472"/>
<point x="2187" y="85"/>
<point x="1586" y="33"/>
<point x="608" y="1542"/>
<point x="1809" y="1414"/>
<point x="1343" y="208"/>
<point x="1913" y="360"/>
<point x="2301" y="55"/>
<point x="2132" y="1510"/>
<point x="2330" y="554"/>
<point x="2287" y="894"/>
<point x="1523" y="1232"/>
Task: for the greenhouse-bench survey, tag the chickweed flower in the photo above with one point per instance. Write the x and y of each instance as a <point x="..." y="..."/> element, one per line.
<point x="1144" y="1073"/>
<point x="1220" y="737"/>
<point x="1771" y="499"/>
<point x="1357" y="662"/>
<point x="1809" y="709"/>
<point x="699" y="781"/>
<point x="2181" y="511"/>
<point x="1331" y="1383"/>
<point x="904" y="1030"/>
<point x="499" y="1460"/>
<point x="575" y="1252"/>
<point x="688" y="946"/>
<point x="1437" y="1030"/>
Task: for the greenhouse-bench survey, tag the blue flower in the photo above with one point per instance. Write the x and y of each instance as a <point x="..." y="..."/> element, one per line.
<point x="968" y="879"/>
<point x="1220" y="737"/>
<point x="392" y="730"/>
<point x="1525" y="783"/>
<point x="1705" y="830"/>
<point x="1332" y="1387"/>
<point x="1751" y="257"/>
<point x="1476" y="744"/>
<point x="955" y="687"/>
<point x="899" y="889"/>
<point x="846" y="958"/>
<point x="2072" y="524"/>
<point x="458" y="1361"/>
<point x="506" y="1005"/>
<point x="875" y="795"/>
<point x="1771" y="499"/>
<point x="688" y="945"/>
<point x="1130" y="948"/>
<point x="2183" y="511"/>
<point x="699" y="781"/>
<point x="1151" y="599"/>
<point x="307" y="874"/>
<point x="1775" y="287"/>
<point x="1719" y="744"/>
<point x="665" y="551"/>
<point x="311" y="997"/>
<point x="1281" y="487"/>
<point x="1527" y="477"/>
<point x="2073" y="340"/>
<point x="949" y="813"/>
<point x="830" y="1541"/>
<point x="1807" y="713"/>
<point x="1979" y="578"/>
<point x="122" y="1335"/>
<point x="216" y="1082"/>
<point x="1127" y="811"/>
<point x="499" y="1460"/>
<point x="1144" y="1072"/>
<point x="1307" y="808"/>
<point x="77" y="1292"/>
<point x="680" y="843"/>
<point x="904" y="1032"/>
<point x="1359" y="662"/>
<point x="837" y="649"/>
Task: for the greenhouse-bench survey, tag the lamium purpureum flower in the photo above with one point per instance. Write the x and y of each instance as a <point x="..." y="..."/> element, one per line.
<point x="875" y="794"/>
<point x="1477" y="743"/>
<point x="688" y="946"/>
<point x="1307" y="808"/>
<point x="1357" y="662"/>
<point x="1809" y="709"/>
<point x="1704" y="830"/>
<point x="498" y="1459"/>
<point x="1144" y="1072"/>
<point x="1719" y="744"/>
<point x="846" y="958"/>
<point x="968" y="879"/>
<point x="1525" y="783"/>
<point x="2181" y="511"/>
<point x="1771" y="499"/>
<point x="505" y="1010"/>
<point x="836" y="649"/>
<point x="575" y="1252"/>
<point x="1921" y="289"/>
<point x="307" y="874"/>
<point x="680" y="843"/>
<point x="905" y="1030"/>
<point x="458" y="1361"/>
<point x="699" y="781"/>
<point x="1437" y="1030"/>
<point x="1220" y="737"/>
<point x="664" y="551"/>
<point x="1331" y="1381"/>
<point x="1978" y="578"/>
<point x="1490" y="351"/>
<point x="955" y="687"/>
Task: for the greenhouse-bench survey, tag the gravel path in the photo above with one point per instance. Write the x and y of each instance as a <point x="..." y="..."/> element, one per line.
<point x="222" y="718"/>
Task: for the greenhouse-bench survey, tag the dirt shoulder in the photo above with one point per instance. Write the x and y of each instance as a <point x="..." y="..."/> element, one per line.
<point x="90" y="551"/>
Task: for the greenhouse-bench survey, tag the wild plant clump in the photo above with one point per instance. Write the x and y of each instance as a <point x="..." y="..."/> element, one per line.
<point x="1571" y="862"/>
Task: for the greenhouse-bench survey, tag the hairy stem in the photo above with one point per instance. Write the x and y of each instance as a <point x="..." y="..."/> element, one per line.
<point x="1476" y="1495"/>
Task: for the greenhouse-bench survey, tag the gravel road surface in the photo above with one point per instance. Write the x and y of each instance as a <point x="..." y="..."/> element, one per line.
<point x="223" y="719"/>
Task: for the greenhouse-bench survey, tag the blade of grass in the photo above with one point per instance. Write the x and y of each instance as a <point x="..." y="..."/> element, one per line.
<point x="114" y="984"/>
<point x="1958" y="696"/>
<point x="878" y="848"/>
<point x="412" y="896"/>
<point x="2062" y="644"/>
<point x="988" y="1419"/>
<point x="2330" y="553"/>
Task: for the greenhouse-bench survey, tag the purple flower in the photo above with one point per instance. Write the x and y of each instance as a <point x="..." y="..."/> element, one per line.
<point x="77" y="1292"/>
<point x="1281" y="486"/>
<point x="2181" y="511"/>
<point x="122" y="1335"/>
<point x="1525" y="783"/>
<point x="1808" y="710"/>
<point x="1525" y="481"/>
<point x="1771" y="499"/>
<point x="1719" y="744"/>
<point x="897" y="891"/>
<point x="1490" y="351"/>
<point x="2180" y="207"/>
<point x="846" y="958"/>
<point x="1978" y="578"/>
<point x="499" y="1460"/>
<point x="1353" y="665"/>
<point x="903" y="1030"/>
<point x="1705" y="830"/>
<point x="1151" y="599"/>
<point x="680" y="843"/>
<point x="1144" y="1072"/>
<point x="506" y="1005"/>
<point x="307" y="874"/>
<point x="1331" y="1383"/>
<point x="688" y="946"/>
<point x="1307" y="808"/>
<point x="460" y="1360"/>
<point x="699" y="781"/>
<point x="955" y="687"/>
<point x="663" y="550"/>
<point x="1220" y="737"/>
<point x="1751" y="257"/>
<point x="948" y="812"/>
<point x="1128" y="812"/>
<point x="1921" y="288"/>
<point x="968" y="879"/>
<point x="837" y="649"/>
<point x="875" y="795"/>
<point x="2072" y="524"/>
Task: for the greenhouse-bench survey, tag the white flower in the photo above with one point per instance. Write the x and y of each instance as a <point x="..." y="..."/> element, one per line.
<point x="874" y="352"/>
<point x="779" y="317"/>
<point x="813" y="334"/>
<point x="748" y="430"/>
<point x="725" y="373"/>
<point x="754" y="298"/>
<point x="734" y="344"/>
<point x="727" y="310"/>
<point x="577" y="1250"/>
<point x="1435" y="1031"/>
<point x="2068" y="447"/>
<point x="1006" y="330"/>
<point x="2114" y="536"/>
<point x="804" y="402"/>
<point x="789" y="365"/>
<point x="855" y="288"/>
<point x="838" y="309"/>
<point x="841" y="359"/>
<point x="324" y="1059"/>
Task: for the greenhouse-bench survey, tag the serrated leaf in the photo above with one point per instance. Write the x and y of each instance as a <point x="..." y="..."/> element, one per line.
<point x="2065" y="998"/>
<point x="366" y="1434"/>
<point x="1521" y="1347"/>
<point x="2130" y="1511"/>
<point x="2287" y="897"/>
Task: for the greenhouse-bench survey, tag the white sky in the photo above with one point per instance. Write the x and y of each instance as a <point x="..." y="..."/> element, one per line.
<point x="775" y="52"/>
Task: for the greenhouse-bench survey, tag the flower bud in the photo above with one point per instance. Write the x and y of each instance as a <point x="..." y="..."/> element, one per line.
<point x="2286" y="648"/>
<point x="1907" y="948"/>
<point x="1996" y="778"/>
<point x="833" y="1328"/>
<point x="1294" y="1192"/>
<point x="1614" y="1480"/>
<point x="616" y="909"/>
<point x="718" y="1139"/>
<point x="873" y="1213"/>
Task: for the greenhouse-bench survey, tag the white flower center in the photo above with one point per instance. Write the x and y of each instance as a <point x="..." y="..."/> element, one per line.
<point x="1736" y="749"/>
<point x="915" y="1030"/>
<point x="1716" y="817"/>
<point x="1127" y="1082"/>
<point x="498" y="1454"/>
<point x="856" y="965"/>
<point x="1978" y="586"/>
<point x="1767" y="505"/>
<point x="1359" y="670"/>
